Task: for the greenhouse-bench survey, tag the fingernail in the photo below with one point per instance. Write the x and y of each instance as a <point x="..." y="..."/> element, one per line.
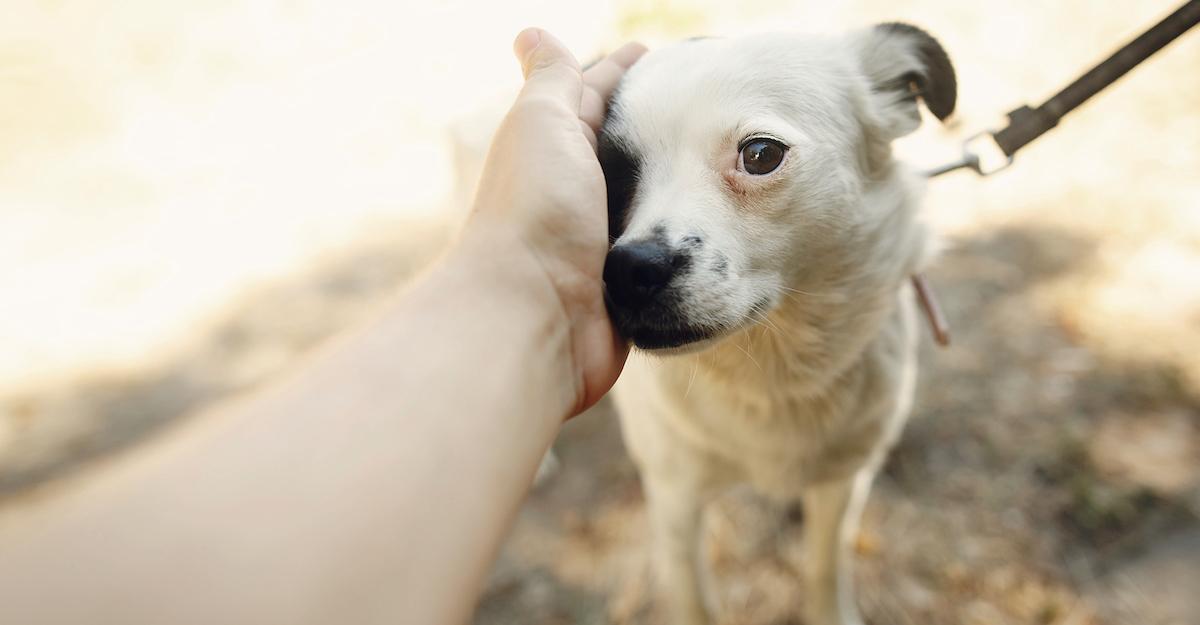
<point x="526" y="42"/>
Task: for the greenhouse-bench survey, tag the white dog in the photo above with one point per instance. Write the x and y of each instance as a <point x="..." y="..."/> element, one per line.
<point x="763" y="239"/>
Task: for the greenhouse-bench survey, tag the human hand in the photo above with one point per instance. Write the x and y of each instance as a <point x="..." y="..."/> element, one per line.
<point x="542" y="190"/>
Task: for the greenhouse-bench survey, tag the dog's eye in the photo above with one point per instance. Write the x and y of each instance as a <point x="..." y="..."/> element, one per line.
<point x="762" y="156"/>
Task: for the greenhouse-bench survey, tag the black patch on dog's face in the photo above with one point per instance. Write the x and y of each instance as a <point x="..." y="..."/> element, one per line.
<point x="621" y="167"/>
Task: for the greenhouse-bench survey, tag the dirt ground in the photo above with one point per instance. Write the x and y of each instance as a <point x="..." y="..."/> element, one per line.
<point x="1051" y="471"/>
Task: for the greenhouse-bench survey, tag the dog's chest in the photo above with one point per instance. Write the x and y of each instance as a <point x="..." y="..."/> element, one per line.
<point x="780" y="439"/>
<point x="762" y="427"/>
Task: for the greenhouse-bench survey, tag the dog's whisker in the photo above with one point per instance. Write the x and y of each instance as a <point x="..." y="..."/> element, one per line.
<point x="763" y="318"/>
<point x="695" y="368"/>
<point x="767" y="332"/>
<point x="754" y="339"/>
<point x="760" y="319"/>
<point x="780" y="332"/>
<point x="810" y="293"/>
<point x="748" y="355"/>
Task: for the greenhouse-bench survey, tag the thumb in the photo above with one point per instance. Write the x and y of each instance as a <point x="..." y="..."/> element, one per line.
<point x="550" y="69"/>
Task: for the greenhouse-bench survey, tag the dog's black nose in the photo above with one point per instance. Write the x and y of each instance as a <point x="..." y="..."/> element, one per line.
<point x="635" y="272"/>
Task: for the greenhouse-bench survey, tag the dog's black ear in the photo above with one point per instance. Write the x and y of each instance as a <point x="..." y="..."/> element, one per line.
<point x="904" y="63"/>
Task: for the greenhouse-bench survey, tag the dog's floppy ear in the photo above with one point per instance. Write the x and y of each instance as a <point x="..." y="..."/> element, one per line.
<point x="903" y="63"/>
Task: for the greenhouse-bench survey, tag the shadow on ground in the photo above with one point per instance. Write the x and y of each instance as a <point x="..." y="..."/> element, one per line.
<point x="55" y="430"/>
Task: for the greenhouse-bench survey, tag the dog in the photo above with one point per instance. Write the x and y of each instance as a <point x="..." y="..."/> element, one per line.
<point x="763" y="237"/>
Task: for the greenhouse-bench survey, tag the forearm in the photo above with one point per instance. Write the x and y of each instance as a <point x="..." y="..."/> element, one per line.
<point x="375" y="484"/>
<point x="521" y="355"/>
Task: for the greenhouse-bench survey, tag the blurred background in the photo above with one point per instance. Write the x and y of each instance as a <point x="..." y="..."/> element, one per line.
<point x="194" y="193"/>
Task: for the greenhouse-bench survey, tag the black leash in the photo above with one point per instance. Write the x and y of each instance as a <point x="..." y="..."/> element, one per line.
<point x="1026" y="124"/>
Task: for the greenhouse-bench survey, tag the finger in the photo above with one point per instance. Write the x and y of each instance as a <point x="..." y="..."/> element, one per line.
<point x="592" y="109"/>
<point x="551" y="71"/>
<point x="589" y="134"/>
<point x="603" y="77"/>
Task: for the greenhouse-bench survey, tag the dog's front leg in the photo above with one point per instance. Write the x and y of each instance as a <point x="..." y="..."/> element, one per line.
<point x="831" y="514"/>
<point x="675" y="510"/>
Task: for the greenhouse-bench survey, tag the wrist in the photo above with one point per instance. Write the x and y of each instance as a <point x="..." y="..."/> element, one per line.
<point x="492" y="254"/>
<point x="496" y="270"/>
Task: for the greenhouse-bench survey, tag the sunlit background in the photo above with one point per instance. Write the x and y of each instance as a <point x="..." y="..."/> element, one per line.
<point x="193" y="193"/>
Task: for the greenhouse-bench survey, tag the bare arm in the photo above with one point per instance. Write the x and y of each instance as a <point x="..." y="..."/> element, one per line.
<point x="375" y="483"/>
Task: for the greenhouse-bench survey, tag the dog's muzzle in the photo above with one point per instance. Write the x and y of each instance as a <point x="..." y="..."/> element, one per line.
<point x="642" y="302"/>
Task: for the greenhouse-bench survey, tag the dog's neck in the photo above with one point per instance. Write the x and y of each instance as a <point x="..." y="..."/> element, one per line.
<point x="829" y="314"/>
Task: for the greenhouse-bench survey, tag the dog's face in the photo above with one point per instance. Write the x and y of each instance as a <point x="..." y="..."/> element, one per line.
<point x="735" y="164"/>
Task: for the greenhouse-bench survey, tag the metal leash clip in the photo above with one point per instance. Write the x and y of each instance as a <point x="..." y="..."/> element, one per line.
<point x="993" y="161"/>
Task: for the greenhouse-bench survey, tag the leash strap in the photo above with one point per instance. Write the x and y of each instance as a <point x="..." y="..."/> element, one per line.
<point x="1026" y="124"/>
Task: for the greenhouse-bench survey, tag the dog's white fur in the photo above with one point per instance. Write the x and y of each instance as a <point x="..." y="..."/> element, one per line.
<point x="803" y="397"/>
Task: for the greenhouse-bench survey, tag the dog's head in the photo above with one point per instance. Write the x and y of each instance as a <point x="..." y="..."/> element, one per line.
<point x="735" y="164"/>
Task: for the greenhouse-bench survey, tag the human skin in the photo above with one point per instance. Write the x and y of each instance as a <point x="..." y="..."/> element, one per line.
<point x="376" y="482"/>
